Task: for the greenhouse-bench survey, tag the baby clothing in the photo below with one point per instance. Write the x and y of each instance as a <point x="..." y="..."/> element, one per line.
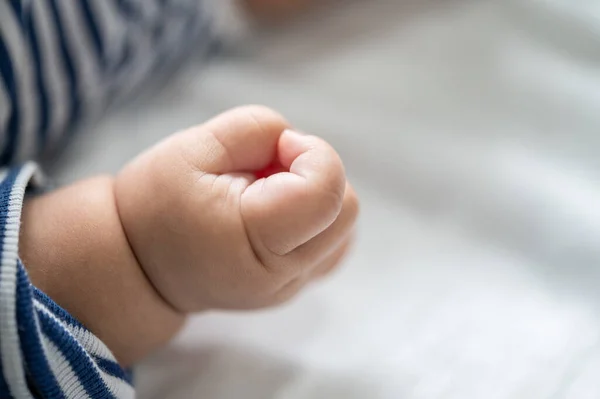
<point x="61" y="63"/>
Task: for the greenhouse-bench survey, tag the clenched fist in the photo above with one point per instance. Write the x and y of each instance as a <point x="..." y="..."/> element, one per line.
<point x="238" y="213"/>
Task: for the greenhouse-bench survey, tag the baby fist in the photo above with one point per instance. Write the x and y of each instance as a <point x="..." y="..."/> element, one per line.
<point x="212" y="229"/>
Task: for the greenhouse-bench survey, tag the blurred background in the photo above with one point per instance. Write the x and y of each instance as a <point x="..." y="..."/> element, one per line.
<point x="471" y="130"/>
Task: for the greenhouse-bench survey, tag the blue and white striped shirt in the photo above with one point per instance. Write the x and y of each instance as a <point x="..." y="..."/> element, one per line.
<point x="63" y="61"/>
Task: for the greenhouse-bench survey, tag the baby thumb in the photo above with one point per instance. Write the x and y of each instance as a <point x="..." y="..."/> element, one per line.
<point x="285" y="210"/>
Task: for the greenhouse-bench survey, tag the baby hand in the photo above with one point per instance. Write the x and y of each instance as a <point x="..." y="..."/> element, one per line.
<point x="209" y="233"/>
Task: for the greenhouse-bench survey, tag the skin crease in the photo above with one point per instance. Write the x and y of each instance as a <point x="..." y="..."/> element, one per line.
<point x="186" y="227"/>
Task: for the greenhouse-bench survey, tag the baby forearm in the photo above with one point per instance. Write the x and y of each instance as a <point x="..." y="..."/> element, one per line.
<point x="75" y="250"/>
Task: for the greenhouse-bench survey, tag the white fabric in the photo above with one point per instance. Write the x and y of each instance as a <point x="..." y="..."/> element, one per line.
<point x="472" y="132"/>
<point x="63" y="372"/>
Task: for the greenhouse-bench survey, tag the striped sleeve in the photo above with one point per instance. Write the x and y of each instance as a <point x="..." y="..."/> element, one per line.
<point x="44" y="352"/>
<point x="62" y="62"/>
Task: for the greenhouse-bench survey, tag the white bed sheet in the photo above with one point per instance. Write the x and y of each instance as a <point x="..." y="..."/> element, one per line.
<point x="471" y="130"/>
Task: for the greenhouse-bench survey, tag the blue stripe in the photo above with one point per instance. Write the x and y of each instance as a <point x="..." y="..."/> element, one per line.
<point x="92" y="25"/>
<point x="69" y="66"/>
<point x="80" y="362"/>
<point x="17" y="6"/>
<point x="169" y="60"/>
<point x="125" y="57"/>
<point x="31" y="346"/>
<point x="129" y="10"/>
<point x="42" y="94"/>
<point x="113" y="90"/>
<point x="4" y="392"/>
<point x="106" y="365"/>
<point x="7" y="74"/>
<point x="6" y="187"/>
<point x="113" y="368"/>
<point x="56" y="310"/>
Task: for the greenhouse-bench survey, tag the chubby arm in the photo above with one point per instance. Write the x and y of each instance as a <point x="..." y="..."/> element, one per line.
<point x="75" y="250"/>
